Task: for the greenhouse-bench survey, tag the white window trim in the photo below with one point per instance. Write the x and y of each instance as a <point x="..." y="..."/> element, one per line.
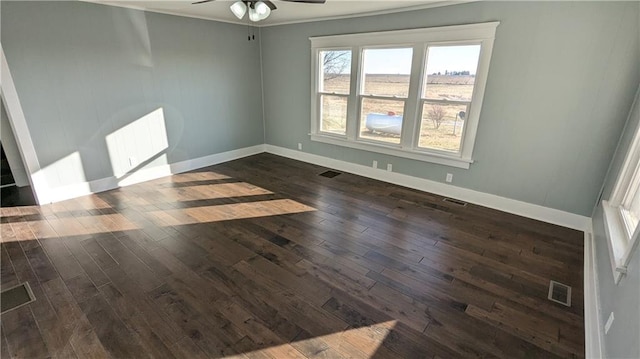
<point x="419" y="39"/>
<point x="620" y="241"/>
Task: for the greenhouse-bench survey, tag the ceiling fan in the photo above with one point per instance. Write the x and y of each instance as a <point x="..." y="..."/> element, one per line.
<point x="257" y="9"/>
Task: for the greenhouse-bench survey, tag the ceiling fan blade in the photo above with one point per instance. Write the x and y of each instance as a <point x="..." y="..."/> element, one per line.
<point x="308" y="1"/>
<point x="201" y="2"/>
<point x="271" y="5"/>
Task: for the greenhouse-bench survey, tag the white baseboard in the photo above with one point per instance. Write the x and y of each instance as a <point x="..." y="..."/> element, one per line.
<point x="592" y="323"/>
<point x="520" y="208"/>
<point x="524" y="209"/>
<point x="104" y="184"/>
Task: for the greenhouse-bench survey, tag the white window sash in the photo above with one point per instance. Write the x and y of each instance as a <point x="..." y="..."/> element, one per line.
<point x="462" y="135"/>
<point x="358" y="120"/>
<point x="319" y="99"/>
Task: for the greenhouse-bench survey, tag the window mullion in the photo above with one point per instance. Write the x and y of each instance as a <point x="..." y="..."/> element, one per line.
<point x="315" y="87"/>
<point x="411" y="112"/>
<point x="354" y="90"/>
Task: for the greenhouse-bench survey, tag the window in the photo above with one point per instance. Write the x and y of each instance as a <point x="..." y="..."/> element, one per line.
<point x="446" y="95"/>
<point x="334" y="90"/>
<point x="409" y="93"/>
<point x="384" y="93"/>
<point x="622" y="210"/>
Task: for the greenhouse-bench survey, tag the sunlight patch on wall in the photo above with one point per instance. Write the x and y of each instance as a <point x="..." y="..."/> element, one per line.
<point x="137" y="144"/>
<point x="68" y="170"/>
<point x="227" y="212"/>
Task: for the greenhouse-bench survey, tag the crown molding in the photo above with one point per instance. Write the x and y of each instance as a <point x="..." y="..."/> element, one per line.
<point x="287" y="22"/>
<point x="373" y="13"/>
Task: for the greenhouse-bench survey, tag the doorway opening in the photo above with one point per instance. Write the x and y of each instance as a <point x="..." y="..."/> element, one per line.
<point x="12" y="195"/>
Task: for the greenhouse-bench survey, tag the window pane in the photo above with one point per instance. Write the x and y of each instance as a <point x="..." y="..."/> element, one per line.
<point x="387" y="71"/>
<point x="334" y="114"/>
<point x="451" y="72"/>
<point x="632" y="212"/>
<point x="442" y="125"/>
<point x="381" y="120"/>
<point x="335" y="71"/>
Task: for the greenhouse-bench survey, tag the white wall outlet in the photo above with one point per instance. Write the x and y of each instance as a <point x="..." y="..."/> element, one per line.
<point x="449" y="177"/>
<point x="609" y="323"/>
<point x="389" y="167"/>
<point x="375" y="164"/>
<point x="299" y="146"/>
<point x="133" y="162"/>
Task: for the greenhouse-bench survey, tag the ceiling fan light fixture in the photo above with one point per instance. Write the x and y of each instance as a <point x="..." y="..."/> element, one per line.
<point x="253" y="14"/>
<point x="262" y="9"/>
<point x="239" y="9"/>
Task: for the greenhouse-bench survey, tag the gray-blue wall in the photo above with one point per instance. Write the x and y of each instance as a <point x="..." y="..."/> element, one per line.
<point x="623" y="339"/>
<point x="84" y="71"/>
<point x="561" y="82"/>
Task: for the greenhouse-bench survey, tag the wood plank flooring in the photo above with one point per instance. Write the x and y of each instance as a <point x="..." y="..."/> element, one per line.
<point x="262" y="258"/>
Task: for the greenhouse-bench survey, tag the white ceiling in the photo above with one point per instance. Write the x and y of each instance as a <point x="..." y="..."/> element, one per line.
<point x="287" y="12"/>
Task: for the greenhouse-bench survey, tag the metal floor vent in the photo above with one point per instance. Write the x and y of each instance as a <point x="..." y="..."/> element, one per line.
<point x="329" y="174"/>
<point x="455" y="201"/>
<point x="560" y="293"/>
<point x="16" y="297"/>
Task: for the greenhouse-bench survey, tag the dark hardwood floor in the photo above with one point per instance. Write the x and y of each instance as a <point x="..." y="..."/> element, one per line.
<point x="263" y="258"/>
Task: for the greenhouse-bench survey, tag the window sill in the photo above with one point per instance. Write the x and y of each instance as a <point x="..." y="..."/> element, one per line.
<point x="414" y="155"/>
<point x="616" y="240"/>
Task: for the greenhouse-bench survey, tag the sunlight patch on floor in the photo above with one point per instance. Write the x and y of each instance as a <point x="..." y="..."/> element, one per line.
<point x="212" y="191"/>
<point x="226" y="212"/>
<point x="164" y="202"/>
<point x="83" y="225"/>
<point x="363" y="342"/>
<point x="68" y="219"/>
<point x="191" y="177"/>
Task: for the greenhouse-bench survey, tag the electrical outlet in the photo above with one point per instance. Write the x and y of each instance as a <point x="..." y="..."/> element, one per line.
<point x="299" y="146"/>
<point x="609" y="323"/>
<point x="449" y="178"/>
<point x="132" y="161"/>
<point x="375" y="164"/>
<point x="389" y="167"/>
